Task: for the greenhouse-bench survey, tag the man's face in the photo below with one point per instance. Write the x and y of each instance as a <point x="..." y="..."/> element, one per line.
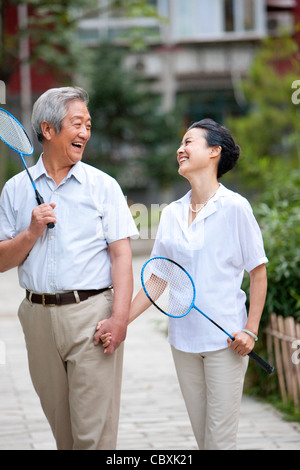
<point x="70" y="142"/>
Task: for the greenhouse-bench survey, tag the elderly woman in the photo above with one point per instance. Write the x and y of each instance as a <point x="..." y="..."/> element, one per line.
<point x="213" y="234"/>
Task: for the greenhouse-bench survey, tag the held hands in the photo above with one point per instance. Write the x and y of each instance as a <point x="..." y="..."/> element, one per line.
<point x="242" y="344"/>
<point x="110" y="333"/>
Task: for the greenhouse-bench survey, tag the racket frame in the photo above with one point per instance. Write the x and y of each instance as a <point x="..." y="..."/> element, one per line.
<point x="253" y="355"/>
<point x="153" y="302"/>
<point x="38" y="196"/>
<point x="20" y="125"/>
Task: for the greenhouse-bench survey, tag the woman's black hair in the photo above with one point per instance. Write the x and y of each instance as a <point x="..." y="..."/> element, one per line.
<point x="217" y="135"/>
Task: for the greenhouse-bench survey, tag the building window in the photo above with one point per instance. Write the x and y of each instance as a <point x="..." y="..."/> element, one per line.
<point x="187" y="21"/>
<point x="229" y="15"/>
<point x="249" y="15"/>
<point x="195" y="20"/>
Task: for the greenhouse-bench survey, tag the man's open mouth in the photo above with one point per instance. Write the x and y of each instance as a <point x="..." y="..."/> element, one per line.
<point x="78" y="145"/>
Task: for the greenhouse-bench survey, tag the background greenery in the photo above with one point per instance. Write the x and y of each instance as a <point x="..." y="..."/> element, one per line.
<point x="269" y="173"/>
<point x="269" y="135"/>
<point x="132" y="139"/>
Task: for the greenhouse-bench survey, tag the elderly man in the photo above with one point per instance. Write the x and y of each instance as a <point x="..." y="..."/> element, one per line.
<point x="68" y="272"/>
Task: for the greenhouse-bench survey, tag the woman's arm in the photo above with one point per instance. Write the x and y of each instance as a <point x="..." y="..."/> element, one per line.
<point x="244" y="343"/>
<point x="139" y="305"/>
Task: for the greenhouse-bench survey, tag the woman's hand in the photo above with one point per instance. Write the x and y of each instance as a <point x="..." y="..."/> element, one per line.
<point x="105" y="338"/>
<point x="242" y="344"/>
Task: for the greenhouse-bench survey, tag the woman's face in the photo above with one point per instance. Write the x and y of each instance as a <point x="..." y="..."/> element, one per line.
<point x="194" y="154"/>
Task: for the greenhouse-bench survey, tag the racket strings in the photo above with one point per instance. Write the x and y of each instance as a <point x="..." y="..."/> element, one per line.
<point x="14" y="135"/>
<point x="169" y="287"/>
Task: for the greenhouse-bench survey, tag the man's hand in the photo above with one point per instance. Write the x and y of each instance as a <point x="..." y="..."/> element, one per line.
<point x="41" y="216"/>
<point x="13" y="252"/>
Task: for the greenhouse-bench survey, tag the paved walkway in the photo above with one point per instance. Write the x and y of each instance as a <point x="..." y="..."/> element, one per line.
<point x="153" y="415"/>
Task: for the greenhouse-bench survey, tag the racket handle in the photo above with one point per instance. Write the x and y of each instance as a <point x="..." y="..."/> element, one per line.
<point x="267" y="367"/>
<point x="40" y="201"/>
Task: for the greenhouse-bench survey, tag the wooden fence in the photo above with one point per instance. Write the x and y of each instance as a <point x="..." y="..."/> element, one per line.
<point x="283" y="344"/>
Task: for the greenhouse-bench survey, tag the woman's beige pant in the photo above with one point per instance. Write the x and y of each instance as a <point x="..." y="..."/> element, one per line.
<point x="212" y="386"/>
<point x="78" y="385"/>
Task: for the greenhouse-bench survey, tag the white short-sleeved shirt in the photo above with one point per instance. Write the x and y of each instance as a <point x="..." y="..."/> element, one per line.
<point x="91" y="213"/>
<point x="222" y="242"/>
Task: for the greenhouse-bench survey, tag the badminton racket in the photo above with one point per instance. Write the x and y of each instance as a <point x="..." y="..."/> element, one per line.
<point x="13" y="134"/>
<point x="172" y="290"/>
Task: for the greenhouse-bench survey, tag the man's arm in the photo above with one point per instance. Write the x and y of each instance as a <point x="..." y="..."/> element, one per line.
<point x="13" y="252"/>
<point x="122" y="277"/>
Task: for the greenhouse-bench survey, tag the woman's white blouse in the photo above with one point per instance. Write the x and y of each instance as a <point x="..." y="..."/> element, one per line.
<point x="222" y="242"/>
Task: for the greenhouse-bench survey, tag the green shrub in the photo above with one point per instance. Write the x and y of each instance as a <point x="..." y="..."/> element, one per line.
<point x="278" y="213"/>
<point x="281" y="232"/>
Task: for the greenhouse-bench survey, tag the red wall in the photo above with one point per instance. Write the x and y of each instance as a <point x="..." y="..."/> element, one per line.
<point x="40" y="80"/>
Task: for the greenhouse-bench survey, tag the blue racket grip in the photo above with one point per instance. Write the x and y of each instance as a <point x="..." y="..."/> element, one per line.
<point x="40" y="201"/>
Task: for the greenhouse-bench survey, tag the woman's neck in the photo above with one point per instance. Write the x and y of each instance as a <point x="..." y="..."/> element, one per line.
<point x="201" y="194"/>
<point x="203" y="190"/>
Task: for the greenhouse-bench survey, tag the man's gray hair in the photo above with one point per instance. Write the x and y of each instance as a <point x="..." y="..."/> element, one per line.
<point x="52" y="107"/>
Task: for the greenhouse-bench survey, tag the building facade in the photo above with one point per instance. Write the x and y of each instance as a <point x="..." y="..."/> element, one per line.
<point x="200" y="50"/>
<point x="197" y="51"/>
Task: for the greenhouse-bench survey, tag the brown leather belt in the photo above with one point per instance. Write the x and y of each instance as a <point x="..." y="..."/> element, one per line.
<point x="66" y="298"/>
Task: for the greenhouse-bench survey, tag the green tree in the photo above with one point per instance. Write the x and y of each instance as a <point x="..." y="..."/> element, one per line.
<point x="55" y="45"/>
<point x="269" y="132"/>
<point x="269" y="135"/>
<point x="132" y="138"/>
<point x="52" y="30"/>
<point x="278" y="212"/>
<point x="269" y="171"/>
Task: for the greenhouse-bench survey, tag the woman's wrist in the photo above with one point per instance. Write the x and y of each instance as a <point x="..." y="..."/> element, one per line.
<point x="250" y="333"/>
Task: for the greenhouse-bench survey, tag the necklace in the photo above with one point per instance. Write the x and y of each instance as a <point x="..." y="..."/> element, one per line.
<point x="195" y="211"/>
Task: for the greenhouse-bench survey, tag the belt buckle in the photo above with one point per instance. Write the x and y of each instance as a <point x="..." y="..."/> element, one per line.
<point x="44" y="301"/>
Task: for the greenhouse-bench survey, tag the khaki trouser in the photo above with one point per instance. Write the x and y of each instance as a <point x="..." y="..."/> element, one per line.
<point x="212" y="386"/>
<point x="78" y="385"/>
